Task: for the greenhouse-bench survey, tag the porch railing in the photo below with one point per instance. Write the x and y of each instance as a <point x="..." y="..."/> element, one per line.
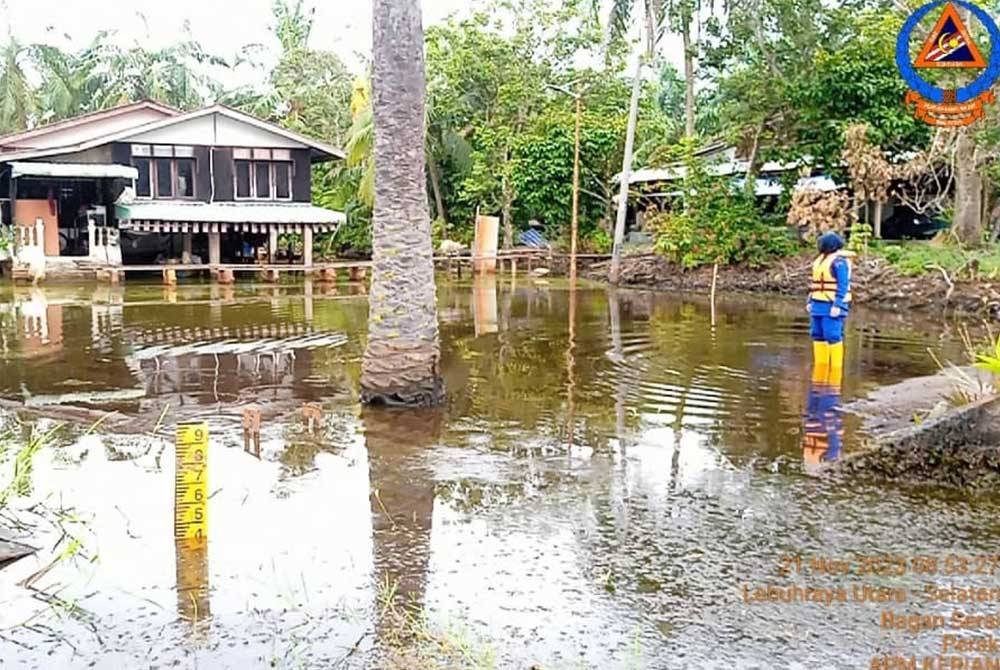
<point x="105" y="243"/>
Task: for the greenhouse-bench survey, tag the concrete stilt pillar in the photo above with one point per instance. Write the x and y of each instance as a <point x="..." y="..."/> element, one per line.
<point x="214" y="248"/>
<point x="272" y="244"/>
<point x="307" y="246"/>
<point x="186" y="240"/>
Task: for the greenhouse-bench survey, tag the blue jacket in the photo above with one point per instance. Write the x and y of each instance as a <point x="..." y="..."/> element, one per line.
<point x="842" y="271"/>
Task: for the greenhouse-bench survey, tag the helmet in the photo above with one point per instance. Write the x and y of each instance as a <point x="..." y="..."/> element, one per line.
<point x="830" y="243"/>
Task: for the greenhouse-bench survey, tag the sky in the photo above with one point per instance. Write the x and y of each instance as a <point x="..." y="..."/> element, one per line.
<point x="221" y="26"/>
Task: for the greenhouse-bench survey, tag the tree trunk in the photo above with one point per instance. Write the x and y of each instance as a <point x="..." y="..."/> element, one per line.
<point x="968" y="193"/>
<point x="688" y="78"/>
<point x="507" y="214"/>
<point x="435" y="176"/>
<point x="877" y="223"/>
<point x="401" y="361"/>
<point x="753" y="162"/>
<point x="626" y="175"/>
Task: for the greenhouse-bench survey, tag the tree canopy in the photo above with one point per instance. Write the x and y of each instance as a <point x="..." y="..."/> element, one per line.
<point x="778" y="78"/>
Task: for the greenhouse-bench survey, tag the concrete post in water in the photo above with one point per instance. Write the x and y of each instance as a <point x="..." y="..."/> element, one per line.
<point x="251" y="431"/>
<point x="169" y="276"/>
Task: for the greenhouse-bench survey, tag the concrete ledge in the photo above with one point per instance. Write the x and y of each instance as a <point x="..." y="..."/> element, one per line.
<point x="961" y="448"/>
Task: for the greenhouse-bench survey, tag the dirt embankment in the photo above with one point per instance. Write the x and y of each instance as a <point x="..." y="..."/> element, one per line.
<point x="875" y="283"/>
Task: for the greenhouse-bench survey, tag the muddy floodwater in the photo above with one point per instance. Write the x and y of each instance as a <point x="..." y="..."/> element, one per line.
<point x="607" y="476"/>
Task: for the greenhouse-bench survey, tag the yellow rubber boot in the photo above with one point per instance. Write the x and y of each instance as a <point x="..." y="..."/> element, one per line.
<point x="821" y="362"/>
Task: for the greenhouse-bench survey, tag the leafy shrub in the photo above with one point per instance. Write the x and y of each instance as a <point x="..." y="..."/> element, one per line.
<point x="717" y="223"/>
<point x="596" y="241"/>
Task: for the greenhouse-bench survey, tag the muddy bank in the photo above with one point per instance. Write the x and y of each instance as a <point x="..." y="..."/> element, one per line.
<point x="875" y="283"/>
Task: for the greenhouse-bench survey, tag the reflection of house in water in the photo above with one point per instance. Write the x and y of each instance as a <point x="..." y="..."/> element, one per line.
<point x="40" y="325"/>
<point x="266" y="362"/>
<point x="114" y="356"/>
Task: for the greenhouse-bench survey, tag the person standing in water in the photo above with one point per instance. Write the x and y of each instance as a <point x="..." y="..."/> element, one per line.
<point x="829" y="302"/>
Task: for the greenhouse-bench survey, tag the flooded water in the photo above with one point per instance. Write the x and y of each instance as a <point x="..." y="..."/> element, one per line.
<point x="608" y="473"/>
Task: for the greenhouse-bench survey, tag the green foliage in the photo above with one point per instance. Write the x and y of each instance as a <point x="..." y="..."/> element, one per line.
<point x="861" y="235"/>
<point x="856" y="82"/>
<point x="716" y="223"/>
<point x="597" y="241"/>
<point x="918" y="257"/>
<point x="990" y="360"/>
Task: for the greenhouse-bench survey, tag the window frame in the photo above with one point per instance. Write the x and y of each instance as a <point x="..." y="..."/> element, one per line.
<point x="149" y="179"/>
<point x="272" y="177"/>
<point x="152" y="154"/>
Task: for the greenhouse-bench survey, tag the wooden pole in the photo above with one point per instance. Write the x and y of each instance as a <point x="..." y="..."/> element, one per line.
<point x="715" y="278"/>
<point x="576" y="192"/>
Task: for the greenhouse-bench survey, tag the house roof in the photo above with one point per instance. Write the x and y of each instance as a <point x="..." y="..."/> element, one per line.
<point x="89" y="170"/>
<point x="320" y="150"/>
<point x="229" y="212"/>
<point x="17" y="139"/>
<point x="675" y="172"/>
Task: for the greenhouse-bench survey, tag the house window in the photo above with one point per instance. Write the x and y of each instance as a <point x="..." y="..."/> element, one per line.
<point x="184" y="177"/>
<point x="144" y="184"/>
<point x="262" y="179"/>
<point x="162" y="177"/>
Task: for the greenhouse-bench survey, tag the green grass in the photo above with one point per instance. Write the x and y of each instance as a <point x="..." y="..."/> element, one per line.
<point x="916" y="258"/>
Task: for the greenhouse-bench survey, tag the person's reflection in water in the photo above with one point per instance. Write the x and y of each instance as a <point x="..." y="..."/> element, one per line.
<point x="824" y="429"/>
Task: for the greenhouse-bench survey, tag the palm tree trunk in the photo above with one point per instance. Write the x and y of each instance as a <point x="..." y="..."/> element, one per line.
<point x="401" y="365"/>
<point x="432" y="170"/>
<point x="626" y="174"/>
<point x="688" y="78"/>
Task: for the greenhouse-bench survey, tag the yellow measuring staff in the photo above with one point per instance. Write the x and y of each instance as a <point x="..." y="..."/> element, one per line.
<point x="191" y="482"/>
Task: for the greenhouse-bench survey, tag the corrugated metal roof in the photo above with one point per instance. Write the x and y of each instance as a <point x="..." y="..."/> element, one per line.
<point x="229" y="212"/>
<point x="91" y="170"/>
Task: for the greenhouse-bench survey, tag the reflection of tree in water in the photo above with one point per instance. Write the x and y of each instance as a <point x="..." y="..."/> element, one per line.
<point x="402" y="495"/>
<point x="518" y="376"/>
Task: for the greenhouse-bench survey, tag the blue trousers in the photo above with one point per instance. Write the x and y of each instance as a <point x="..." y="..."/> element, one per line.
<point x="827" y="329"/>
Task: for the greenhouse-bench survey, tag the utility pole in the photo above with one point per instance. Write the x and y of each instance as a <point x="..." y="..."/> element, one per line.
<point x="575" y="221"/>
<point x="575" y="225"/>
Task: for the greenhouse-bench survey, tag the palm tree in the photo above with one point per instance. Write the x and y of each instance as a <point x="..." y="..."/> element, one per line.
<point x="401" y="361"/>
<point x="441" y="143"/>
<point x="17" y="97"/>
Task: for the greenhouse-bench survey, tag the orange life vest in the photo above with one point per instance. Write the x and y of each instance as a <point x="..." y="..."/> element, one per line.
<point x="823" y="286"/>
